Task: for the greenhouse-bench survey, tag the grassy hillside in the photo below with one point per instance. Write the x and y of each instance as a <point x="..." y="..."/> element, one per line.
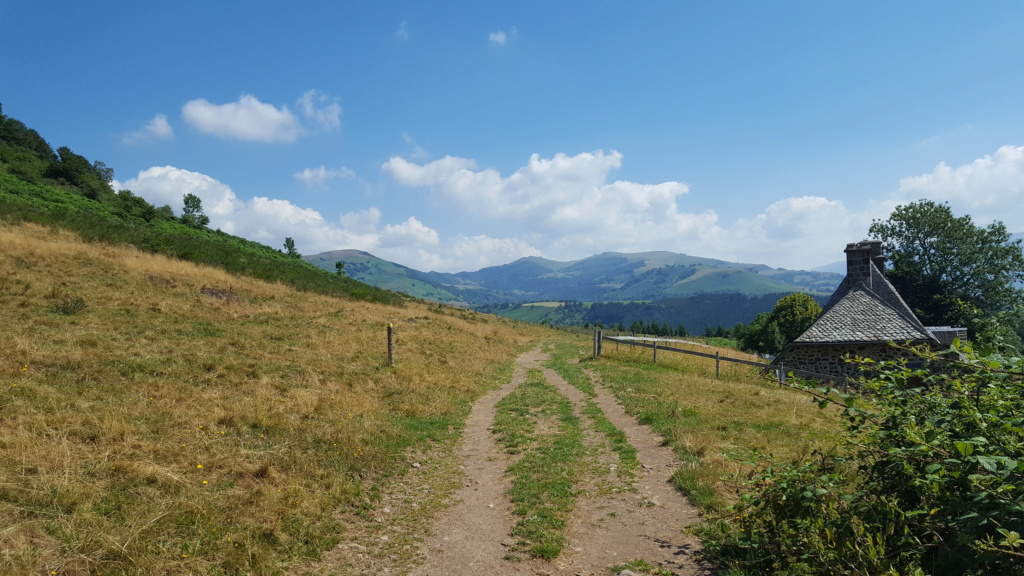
<point x="152" y="425"/>
<point x="65" y="190"/>
<point x="369" y="269"/>
<point x="64" y="207"/>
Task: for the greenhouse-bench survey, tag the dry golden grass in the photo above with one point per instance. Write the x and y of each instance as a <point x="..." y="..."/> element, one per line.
<point x="163" y="431"/>
<point x="707" y="418"/>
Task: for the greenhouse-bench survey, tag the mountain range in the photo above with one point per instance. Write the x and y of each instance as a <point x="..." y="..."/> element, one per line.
<point x="607" y="277"/>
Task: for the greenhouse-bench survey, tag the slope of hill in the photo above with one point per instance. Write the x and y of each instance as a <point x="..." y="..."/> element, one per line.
<point x="369" y="269"/>
<point x="161" y="417"/>
<point x="65" y="190"/>
<point x="600" y="278"/>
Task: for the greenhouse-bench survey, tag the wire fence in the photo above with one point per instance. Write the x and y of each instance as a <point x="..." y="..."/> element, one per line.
<point x="661" y="344"/>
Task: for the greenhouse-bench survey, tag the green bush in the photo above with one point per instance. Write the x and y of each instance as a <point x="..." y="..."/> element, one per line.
<point x="929" y="480"/>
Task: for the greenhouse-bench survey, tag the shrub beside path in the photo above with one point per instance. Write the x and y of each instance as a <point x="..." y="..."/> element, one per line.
<point x="608" y="527"/>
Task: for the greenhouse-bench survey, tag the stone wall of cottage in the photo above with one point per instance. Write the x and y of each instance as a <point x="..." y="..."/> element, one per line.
<point x="828" y="359"/>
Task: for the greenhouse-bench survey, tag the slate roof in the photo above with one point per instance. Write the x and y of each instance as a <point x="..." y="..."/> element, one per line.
<point x="858" y="314"/>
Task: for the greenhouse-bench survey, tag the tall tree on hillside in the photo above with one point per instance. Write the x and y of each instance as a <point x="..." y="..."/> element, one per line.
<point x="192" y="215"/>
<point x="289" y="246"/>
<point x="952" y="272"/>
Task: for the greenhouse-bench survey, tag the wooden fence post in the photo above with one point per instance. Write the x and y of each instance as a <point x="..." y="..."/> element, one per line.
<point x="391" y="344"/>
<point x="600" y="342"/>
<point x="593" y="353"/>
<point x="655" y="351"/>
<point x="718" y="364"/>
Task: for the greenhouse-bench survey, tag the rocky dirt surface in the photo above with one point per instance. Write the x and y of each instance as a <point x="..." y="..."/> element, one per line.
<point x="615" y="521"/>
<point x="608" y="528"/>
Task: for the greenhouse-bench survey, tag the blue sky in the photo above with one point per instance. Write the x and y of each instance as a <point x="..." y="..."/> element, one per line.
<point x="452" y="136"/>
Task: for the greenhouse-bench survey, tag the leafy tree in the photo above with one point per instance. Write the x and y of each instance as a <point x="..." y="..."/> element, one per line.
<point x="952" y="272"/>
<point x="75" y="170"/>
<point x="102" y="171"/>
<point x="289" y="246"/>
<point x="16" y="134"/>
<point x="768" y="333"/>
<point x="794" y="314"/>
<point x="193" y="216"/>
<point x="339" y="266"/>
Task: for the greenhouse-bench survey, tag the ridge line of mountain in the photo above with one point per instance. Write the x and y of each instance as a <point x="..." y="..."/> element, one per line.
<point x="609" y="276"/>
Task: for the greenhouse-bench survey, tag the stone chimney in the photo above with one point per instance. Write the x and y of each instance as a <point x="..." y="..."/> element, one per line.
<point x="877" y="257"/>
<point x="860" y="257"/>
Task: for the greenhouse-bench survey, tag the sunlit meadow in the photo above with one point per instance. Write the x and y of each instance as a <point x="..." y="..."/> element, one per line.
<point x="149" y="428"/>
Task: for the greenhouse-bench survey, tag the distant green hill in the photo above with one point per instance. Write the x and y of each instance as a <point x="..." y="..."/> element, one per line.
<point x="601" y="278"/>
<point x="367" y="268"/>
<point x="696" y="313"/>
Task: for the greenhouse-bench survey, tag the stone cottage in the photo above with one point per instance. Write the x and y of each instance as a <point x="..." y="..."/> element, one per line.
<point x="864" y="317"/>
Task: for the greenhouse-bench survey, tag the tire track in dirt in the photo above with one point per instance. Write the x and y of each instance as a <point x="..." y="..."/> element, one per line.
<point x="606" y="528"/>
<point x="647" y="524"/>
<point x="472" y="537"/>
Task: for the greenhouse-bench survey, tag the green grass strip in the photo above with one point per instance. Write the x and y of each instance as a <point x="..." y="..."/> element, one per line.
<point x="573" y="374"/>
<point x="538" y="423"/>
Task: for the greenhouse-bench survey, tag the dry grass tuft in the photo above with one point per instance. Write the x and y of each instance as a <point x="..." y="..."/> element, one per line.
<point x="708" y="419"/>
<point x="159" y="430"/>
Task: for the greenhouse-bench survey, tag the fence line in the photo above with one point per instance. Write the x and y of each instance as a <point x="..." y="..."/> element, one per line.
<point x="655" y="346"/>
<point x="780" y="371"/>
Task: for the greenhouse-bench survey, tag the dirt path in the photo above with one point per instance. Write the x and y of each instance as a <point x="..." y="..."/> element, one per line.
<point x="608" y="527"/>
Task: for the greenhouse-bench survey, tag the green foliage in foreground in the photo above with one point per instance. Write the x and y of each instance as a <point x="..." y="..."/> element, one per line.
<point x="930" y="480"/>
<point x="127" y="219"/>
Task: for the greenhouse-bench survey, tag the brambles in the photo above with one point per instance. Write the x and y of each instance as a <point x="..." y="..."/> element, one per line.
<point x="929" y="479"/>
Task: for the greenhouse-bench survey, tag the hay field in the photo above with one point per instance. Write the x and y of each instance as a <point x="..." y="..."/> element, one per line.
<point x="158" y="417"/>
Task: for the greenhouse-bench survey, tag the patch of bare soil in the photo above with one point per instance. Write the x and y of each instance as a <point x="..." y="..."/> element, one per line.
<point x="611" y="524"/>
<point x="614" y="521"/>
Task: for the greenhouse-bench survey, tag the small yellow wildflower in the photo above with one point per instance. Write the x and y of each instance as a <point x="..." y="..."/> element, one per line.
<point x="199" y="465"/>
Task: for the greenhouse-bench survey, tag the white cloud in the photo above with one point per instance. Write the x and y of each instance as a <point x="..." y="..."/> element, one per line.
<point x="269" y="221"/>
<point x="412" y="232"/>
<point x="157" y="129"/>
<point x="246" y="119"/>
<point x="418" y="153"/>
<point x="565" y="202"/>
<point x="313" y="177"/>
<point x="567" y="207"/>
<point x="403" y="31"/>
<point x="799" y="232"/>
<point x="501" y="37"/>
<point x="322" y="109"/>
<point x="989" y="188"/>
<point x="476" y="252"/>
